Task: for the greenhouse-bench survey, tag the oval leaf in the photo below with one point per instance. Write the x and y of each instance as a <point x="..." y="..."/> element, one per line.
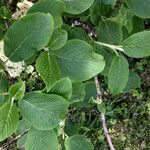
<point x="63" y="87"/>
<point x="78" y="142"/>
<point x="139" y="7"/>
<point x="78" y="33"/>
<point x="48" y="68"/>
<point x="78" y="92"/>
<point x="43" y="111"/>
<point x="101" y="8"/>
<point x="108" y="57"/>
<point x="110" y="32"/>
<point x="137" y="45"/>
<point x="77" y="6"/>
<point x="53" y="7"/>
<point x="89" y="93"/>
<point x="3" y="87"/>
<point x="101" y="108"/>
<point x="78" y="61"/>
<point x="17" y="90"/>
<point x="134" y="82"/>
<point x="118" y="74"/>
<point x="23" y="126"/>
<point x="41" y="140"/>
<point x="9" y="118"/>
<point x="27" y="40"/>
<point x="70" y="128"/>
<point x="58" y="39"/>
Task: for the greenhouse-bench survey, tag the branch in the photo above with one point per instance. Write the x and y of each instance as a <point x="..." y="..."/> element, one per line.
<point x="4" y="94"/>
<point x="103" y="119"/>
<point x="9" y="143"/>
<point x="116" y="47"/>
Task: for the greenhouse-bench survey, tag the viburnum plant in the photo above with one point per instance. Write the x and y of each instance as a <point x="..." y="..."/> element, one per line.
<point x="71" y="43"/>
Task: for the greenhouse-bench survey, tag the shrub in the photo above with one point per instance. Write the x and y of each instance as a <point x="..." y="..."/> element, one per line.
<point x="69" y="43"/>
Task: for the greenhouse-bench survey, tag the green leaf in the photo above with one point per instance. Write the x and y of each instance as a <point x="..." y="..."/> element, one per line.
<point x="58" y="39"/>
<point x="127" y="17"/>
<point x="110" y="2"/>
<point x="137" y="45"/>
<point x="53" y="7"/>
<point x="5" y="17"/>
<point x="48" y="68"/>
<point x="78" y="142"/>
<point x="43" y="111"/>
<point x="3" y="87"/>
<point x="9" y="118"/>
<point x="77" y="6"/>
<point x="78" y="61"/>
<point x="70" y="128"/>
<point x="78" y="33"/>
<point x="118" y="74"/>
<point x="101" y="108"/>
<point x="110" y="32"/>
<point x="27" y="40"/>
<point x="23" y="126"/>
<point x="5" y="13"/>
<point x="90" y="92"/>
<point x="17" y="90"/>
<point x="3" y="83"/>
<point x="138" y="26"/>
<point x="1" y="66"/>
<point x="1" y="30"/>
<point x="108" y="57"/>
<point x="78" y="92"/>
<point x="134" y="82"/>
<point x="41" y="140"/>
<point x="139" y="7"/>
<point x="62" y="87"/>
<point x="31" y="60"/>
<point x="100" y="9"/>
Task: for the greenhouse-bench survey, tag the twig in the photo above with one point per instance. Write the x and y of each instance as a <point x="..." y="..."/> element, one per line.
<point x="9" y="143"/>
<point x="99" y="94"/>
<point x="115" y="47"/>
<point x="4" y="94"/>
<point x="103" y="119"/>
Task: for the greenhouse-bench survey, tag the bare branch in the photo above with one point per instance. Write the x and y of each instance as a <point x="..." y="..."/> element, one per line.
<point x="99" y="94"/>
<point x="103" y="119"/>
<point x="9" y="143"/>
